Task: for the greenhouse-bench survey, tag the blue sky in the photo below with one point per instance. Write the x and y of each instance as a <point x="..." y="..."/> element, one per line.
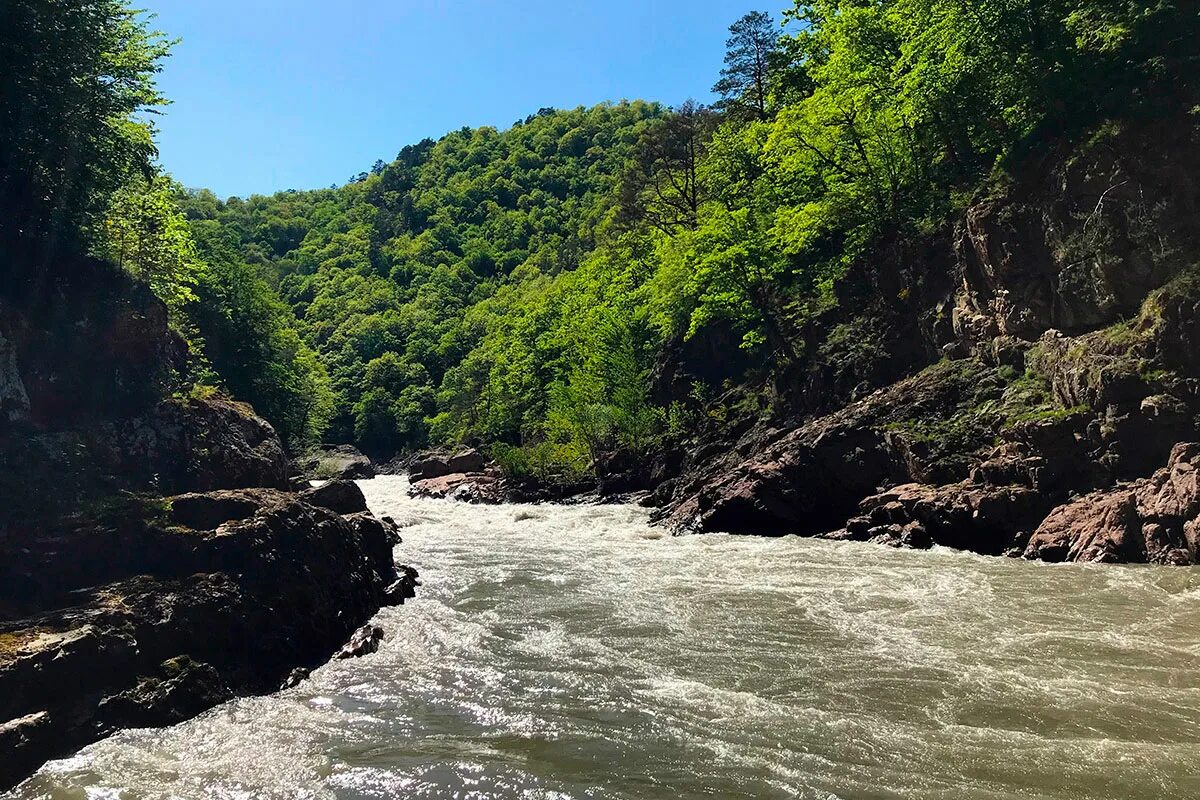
<point x="297" y="94"/>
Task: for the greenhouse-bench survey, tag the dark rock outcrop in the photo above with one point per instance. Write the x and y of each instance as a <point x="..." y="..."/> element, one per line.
<point x="811" y="478"/>
<point x="194" y="445"/>
<point x="341" y="496"/>
<point x="180" y="689"/>
<point x="967" y="516"/>
<point x="205" y="512"/>
<point x="83" y="341"/>
<point x="233" y="591"/>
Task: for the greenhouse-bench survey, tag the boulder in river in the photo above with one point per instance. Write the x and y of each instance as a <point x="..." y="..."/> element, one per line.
<point x="362" y="642"/>
<point x="403" y="588"/>
<point x="479" y="487"/>
<point x="339" y="495"/>
<point x="341" y="461"/>
<point x="436" y="464"/>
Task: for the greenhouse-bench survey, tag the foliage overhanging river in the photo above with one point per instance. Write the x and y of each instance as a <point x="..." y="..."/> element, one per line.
<point x="575" y="652"/>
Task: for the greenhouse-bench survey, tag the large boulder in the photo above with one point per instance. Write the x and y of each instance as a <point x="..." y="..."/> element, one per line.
<point x="336" y="462"/>
<point x="437" y="464"/>
<point x="1156" y="519"/>
<point x="177" y="607"/>
<point x="468" y="460"/>
<point x="341" y="496"/>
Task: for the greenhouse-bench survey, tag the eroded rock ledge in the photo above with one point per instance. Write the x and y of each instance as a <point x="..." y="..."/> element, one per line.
<point x="1155" y="520"/>
<point x="168" y="607"/>
<point x="1057" y="455"/>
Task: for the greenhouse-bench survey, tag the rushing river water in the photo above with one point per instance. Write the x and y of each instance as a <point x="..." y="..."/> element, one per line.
<point x="575" y="652"/>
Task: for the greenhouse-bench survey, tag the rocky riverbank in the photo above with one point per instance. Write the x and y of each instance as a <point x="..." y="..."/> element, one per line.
<point x="1023" y="383"/>
<point x="153" y="562"/>
<point x="166" y="607"/>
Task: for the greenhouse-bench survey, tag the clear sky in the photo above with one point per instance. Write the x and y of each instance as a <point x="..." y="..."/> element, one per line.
<point x="298" y="94"/>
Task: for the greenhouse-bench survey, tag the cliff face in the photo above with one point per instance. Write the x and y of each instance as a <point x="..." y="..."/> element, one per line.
<point x="84" y="342"/>
<point x="971" y="382"/>
<point x="151" y="562"/>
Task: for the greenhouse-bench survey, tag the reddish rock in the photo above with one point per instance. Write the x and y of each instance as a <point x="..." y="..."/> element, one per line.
<point x="475" y="487"/>
<point x="1156" y="519"/>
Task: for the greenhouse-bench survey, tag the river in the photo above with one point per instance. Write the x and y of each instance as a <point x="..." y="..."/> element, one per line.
<point x="576" y="652"/>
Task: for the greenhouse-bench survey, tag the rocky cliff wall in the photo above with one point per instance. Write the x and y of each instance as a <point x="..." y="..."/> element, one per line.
<point x="972" y="381"/>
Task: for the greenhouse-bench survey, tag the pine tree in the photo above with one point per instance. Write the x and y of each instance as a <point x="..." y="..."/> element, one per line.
<point x="744" y="80"/>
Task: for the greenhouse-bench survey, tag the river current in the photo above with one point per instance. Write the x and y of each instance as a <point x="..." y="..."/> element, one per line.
<point x="577" y="652"/>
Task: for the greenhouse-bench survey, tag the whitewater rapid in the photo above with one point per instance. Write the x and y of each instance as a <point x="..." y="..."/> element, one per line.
<point x="577" y="652"/>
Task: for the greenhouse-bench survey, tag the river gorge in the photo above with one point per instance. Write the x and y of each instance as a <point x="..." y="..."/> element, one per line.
<point x="578" y="652"/>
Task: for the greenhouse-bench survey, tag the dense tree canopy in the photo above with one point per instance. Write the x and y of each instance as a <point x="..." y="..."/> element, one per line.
<point x="73" y="77"/>
<point x="398" y="278"/>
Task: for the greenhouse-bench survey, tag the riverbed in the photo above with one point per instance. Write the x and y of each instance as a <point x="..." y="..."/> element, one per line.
<point x="577" y="652"/>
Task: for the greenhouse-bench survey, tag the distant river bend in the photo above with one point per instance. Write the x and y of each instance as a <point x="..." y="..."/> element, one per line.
<point x="576" y="652"/>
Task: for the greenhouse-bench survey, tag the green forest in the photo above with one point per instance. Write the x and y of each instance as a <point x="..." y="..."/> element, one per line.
<point x="517" y="288"/>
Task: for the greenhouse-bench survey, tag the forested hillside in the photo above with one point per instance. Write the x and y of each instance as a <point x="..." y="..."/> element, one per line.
<point x="537" y="289"/>
<point x="520" y="286"/>
<point x="398" y="277"/>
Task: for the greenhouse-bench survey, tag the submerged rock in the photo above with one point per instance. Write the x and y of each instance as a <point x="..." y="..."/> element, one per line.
<point x="295" y="678"/>
<point x="362" y="642"/>
<point x="180" y="689"/>
<point x="403" y="588"/>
